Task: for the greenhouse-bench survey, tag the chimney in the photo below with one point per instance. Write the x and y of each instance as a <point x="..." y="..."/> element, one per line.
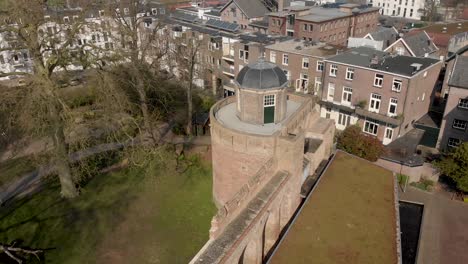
<point x="280" y="5"/>
<point x="375" y="59"/>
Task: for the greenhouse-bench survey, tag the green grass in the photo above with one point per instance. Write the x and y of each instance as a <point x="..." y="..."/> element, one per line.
<point x="14" y="168"/>
<point x="163" y="215"/>
<point x="425" y="185"/>
<point x="402" y="179"/>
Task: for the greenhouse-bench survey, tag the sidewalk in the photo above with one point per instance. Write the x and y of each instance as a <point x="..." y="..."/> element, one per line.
<point x="444" y="232"/>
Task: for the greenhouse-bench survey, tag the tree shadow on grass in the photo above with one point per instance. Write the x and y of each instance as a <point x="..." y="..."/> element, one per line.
<point x="44" y="219"/>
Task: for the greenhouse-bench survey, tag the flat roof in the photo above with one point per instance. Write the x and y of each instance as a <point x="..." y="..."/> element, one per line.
<point x="304" y="48"/>
<point x="397" y="64"/>
<point x="349" y="217"/>
<point x="319" y="14"/>
<point x="227" y="116"/>
<point x="451" y="28"/>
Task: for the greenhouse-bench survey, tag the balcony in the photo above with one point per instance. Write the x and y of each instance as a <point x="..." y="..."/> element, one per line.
<point x="395" y="121"/>
<point x="229" y="70"/>
<point x="228" y="57"/>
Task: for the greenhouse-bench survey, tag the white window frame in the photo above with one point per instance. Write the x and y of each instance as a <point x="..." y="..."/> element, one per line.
<point x="392" y="102"/>
<point x="333" y="70"/>
<point x="331" y="92"/>
<point x="370" y="128"/>
<point x="273" y="56"/>
<point x="400" y="50"/>
<point x="346" y="96"/>
<point x="463" y="103"/>
<point x="305" y="63"/>
<point x="451" y="142"/>
<point x="285" y="59"/>
<point x="320" y="65"/>
<point x="388" y="130"/>
<point x="459" y="124"/>
<point x="378" y="81"/>
<point x="344" y="119"/>
<point x="269" y="100"/>
<point x="349" y="74"/>
<point x="288" y="74"/>
<point x="317" y="84"/>
<point x="396" y="85"/>
<point x="375" y="100"/>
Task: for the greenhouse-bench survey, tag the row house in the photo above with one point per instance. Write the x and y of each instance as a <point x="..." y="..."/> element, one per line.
<point x="385" y="94"/>
<point x="333" y="25"/>
<point x="244" y="12"/>
<point x="454" y="125"/>
<point x="95" y="32"/>
<point x="13" y="59"/>
<point x="302" y="61"/>
<point x="242" y="49"/>
<point x="226" y="52"/>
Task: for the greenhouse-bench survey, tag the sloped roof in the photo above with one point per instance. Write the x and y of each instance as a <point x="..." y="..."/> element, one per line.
<point x="385" y="34"/>
<point x="459" y="78"/>
<point x="251" y="8"/>
<point x="397" y="64"/>
<point x="420" y="43"/>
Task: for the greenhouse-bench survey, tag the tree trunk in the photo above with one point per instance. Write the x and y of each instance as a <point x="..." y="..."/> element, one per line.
<point x="68" y="189"/>
<point x="189" y="99"/>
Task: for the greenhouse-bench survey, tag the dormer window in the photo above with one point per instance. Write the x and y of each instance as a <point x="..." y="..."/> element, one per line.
<point x="154" y="11"/>
<point x="66" y="19"/>
<point x="75" y="18"/>
<point x="101" y="13"/>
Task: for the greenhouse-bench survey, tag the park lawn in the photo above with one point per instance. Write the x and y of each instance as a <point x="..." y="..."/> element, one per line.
<point x="14" y="168"/>
<point x="169" y="211"/>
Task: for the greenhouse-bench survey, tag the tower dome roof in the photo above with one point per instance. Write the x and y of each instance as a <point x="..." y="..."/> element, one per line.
<point x="261" y="75"/>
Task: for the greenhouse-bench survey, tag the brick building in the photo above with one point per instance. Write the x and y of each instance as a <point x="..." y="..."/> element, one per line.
<point x="333" y="25"/>
<point x="448" y="37"/>
<point x="243" y="12"/>
<point x="453" y="130"/>
<point x="265" y="144"/>
<point x="301" y="61"/>
<point x="383" y="93"/>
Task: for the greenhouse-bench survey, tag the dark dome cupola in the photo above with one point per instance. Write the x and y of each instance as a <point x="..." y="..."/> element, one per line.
<point x="261" y="93"/>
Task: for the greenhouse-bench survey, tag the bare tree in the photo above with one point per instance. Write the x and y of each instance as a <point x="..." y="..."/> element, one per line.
<point x="138" y="47"/>
<point x="47" y="44"/>
<point x="189" y="67"/>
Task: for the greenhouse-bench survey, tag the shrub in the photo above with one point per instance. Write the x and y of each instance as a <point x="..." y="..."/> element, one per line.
<point x="455" y="166"/>
<point x="354" y="142"/>
<point x="402" y="179"/>
<point x="425" y="185"/>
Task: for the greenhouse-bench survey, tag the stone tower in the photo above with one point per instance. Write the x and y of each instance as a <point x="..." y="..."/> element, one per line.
<point x="265" y="142"/>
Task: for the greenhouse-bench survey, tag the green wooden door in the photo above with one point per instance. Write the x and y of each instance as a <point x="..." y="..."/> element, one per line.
<point x="268" y="114"/>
